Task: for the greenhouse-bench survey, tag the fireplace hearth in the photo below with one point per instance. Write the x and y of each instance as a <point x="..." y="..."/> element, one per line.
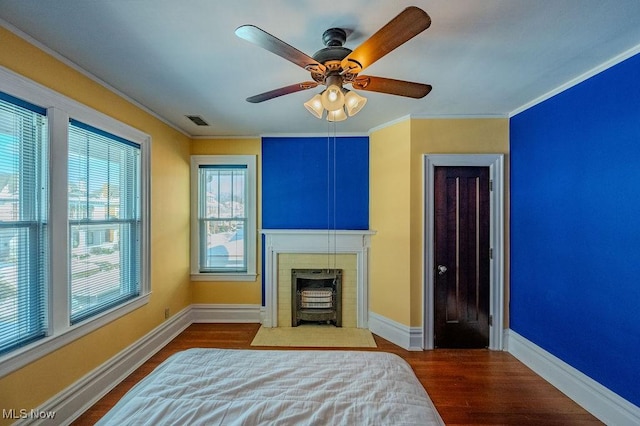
<point x="316" y="296"/>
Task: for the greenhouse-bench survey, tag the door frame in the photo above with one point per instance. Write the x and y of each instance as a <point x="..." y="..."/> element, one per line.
<point x="495" y="162"/>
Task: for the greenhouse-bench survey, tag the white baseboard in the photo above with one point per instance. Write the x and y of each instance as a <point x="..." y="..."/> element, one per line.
<point x="415" y="339"/>
<point x="210" y="313"/>
<point x="604" y="404"/>
<point x="409" y="338"/>
<point x="77" y="398"/>
<point x="73" y="401"/>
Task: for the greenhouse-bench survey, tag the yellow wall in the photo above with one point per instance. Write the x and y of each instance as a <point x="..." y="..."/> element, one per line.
<point x="390" y="217"/>
<point x="37" y="382"/>
<point x="396" y="203"/>
<point x="234" y="292"/>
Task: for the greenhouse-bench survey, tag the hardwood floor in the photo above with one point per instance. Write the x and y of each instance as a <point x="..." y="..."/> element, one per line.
<point x="468" y="387"/>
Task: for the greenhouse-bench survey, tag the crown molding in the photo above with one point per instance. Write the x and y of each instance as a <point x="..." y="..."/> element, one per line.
<point x="579" y="79"/>
<point x="66" y="61"/>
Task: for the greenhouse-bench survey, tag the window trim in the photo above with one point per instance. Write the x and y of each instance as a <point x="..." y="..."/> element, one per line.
<point x="134" y="222"/>
<point x="249" y="161"/>
<point x="59" y="109"/>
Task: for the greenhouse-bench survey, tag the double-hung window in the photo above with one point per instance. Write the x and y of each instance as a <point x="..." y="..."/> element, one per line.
<point x="223" y="217"/>
<point x="23" y="223"/>
<point x="104" y="220"/>
<point x="74" y="220"/>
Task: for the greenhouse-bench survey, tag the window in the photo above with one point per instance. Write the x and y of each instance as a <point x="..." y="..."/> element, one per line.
<point x="23" y="227"/>
<point x="223" y="233"/>
<point x="74" y="228"/>
<point x="104" y="220"/>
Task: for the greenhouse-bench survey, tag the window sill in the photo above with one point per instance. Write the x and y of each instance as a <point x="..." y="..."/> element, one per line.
<point x="224" y="277"/>
<point x="18" y="358"/>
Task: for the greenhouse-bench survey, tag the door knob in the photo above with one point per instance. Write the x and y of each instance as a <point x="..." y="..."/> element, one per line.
<point x="442" y="269"/>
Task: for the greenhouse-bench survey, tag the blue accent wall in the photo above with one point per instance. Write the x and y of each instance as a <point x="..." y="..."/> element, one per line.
<point x="575" y="227"/>
<point x="298" y="176"/>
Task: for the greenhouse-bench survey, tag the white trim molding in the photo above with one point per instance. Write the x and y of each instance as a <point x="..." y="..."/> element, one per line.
<point x="604" y="404"/>
<point x="77" y="398"/>
<point x="60" y="109"/>
<point x="315" y="241"/>
<point x="409" y="338"/>
<point x="69" y="404"/>
<point x="197" y="197"/>
<point x="211" y="313"/>
<point x="577" y="80"/>
<point x="495" y="162"/>
<point x="23" y="356"/>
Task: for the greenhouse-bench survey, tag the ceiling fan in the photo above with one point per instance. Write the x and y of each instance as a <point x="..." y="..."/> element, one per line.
<point x="335" y="65"/>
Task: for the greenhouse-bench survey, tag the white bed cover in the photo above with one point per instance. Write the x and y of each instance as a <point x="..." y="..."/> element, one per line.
<point x="277" y="387"/>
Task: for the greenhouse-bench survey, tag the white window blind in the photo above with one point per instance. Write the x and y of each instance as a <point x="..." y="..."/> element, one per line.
<point x="104" y="220"/>
<point x="23" y="222"/>
<point x="223" y="218"/>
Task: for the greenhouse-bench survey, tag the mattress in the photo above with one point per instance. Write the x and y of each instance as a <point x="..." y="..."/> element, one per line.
<point x="277" y="387"/>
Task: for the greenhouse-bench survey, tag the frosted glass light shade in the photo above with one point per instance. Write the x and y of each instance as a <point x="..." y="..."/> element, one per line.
<point x="337" y="115"/>
<point x="314" y="106"/>
<point x="354" y="102"/>
<point x="332" y="98"/>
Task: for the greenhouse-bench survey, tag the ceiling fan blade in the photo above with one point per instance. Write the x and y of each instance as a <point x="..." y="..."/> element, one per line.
<point x="409" y="23"/>
<point x="393" y="87"/>
<point x="265" y="40"/>
<point x="281" y="91"/>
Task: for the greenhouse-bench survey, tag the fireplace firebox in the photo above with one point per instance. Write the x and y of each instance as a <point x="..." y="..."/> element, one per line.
<point x="316" y="296"/>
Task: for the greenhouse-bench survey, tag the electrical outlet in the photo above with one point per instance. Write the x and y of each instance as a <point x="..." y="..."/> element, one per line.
<point x="167" y="313"/>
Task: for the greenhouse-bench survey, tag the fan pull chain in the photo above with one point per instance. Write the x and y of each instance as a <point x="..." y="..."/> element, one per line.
<point x="329" y="198"/>
<point x="335" y="155"/>
<point x="328" y="195"/>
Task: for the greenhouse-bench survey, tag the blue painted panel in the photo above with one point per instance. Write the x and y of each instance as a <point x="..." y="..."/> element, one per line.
<point x="298" y="183"/>
<point x="575" y="227"/>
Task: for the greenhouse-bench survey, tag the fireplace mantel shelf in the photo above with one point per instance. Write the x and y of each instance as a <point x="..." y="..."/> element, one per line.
<point x="315" y="241"/>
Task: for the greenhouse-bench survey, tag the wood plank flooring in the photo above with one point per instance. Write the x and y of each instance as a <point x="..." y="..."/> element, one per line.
<point x="468" y="387"/>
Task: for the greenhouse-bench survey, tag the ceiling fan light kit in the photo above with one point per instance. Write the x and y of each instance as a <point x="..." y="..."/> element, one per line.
<point x="337" y="115"/>
<point x="335" y="66"/>
<point x="332" y="97"/>
<point x="314" y="106"/>
<point x="353" y="102"/>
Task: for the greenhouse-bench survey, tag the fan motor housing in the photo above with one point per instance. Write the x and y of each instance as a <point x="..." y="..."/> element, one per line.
<point x="337" y="53"/>
<point x="332" y="55"/>
<point x="334" y="39"/>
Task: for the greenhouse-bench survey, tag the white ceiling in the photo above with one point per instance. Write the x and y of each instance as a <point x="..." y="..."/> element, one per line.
<point x="179" y="57"/>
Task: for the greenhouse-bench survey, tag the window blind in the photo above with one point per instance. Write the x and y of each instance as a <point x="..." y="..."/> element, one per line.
<point x="104" y="220"/>
<point x="223" y="218"/>
<point x="23" y="222"/>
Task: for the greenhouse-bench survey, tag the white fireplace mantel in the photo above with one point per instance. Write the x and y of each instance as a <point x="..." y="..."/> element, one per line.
<point x="315" y="241"/>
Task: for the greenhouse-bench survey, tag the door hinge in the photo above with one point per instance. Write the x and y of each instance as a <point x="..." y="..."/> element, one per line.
<point x="491" y="185"/>
<point x="491" y="253"/>
<point x="490" y="320"/>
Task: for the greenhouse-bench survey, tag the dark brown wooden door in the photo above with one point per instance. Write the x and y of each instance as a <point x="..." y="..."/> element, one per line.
<point x="461" y="257"/>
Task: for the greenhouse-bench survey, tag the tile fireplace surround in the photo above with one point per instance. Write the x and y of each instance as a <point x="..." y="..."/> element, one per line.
<point x="321" y="242"/>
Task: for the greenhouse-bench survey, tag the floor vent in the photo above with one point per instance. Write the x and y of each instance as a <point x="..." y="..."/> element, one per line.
<point x="197" y="120"/>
